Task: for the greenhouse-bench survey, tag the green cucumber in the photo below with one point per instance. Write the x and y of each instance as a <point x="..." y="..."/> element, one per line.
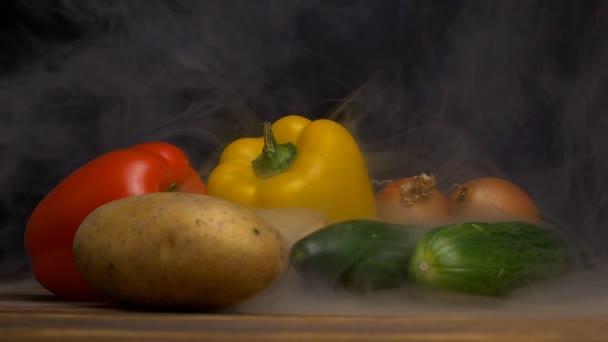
<point x="356" y="255"/>
<point x="490" y="259"/>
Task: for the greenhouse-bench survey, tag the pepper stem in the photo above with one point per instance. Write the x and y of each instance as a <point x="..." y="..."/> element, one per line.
<point x="275" y="158"/>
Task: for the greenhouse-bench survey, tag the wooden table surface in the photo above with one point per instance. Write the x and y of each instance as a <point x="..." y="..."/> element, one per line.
<point x="28" y="312"/>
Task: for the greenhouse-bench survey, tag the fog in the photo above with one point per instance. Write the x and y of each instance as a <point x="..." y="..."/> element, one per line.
<point x="457" y="89"/>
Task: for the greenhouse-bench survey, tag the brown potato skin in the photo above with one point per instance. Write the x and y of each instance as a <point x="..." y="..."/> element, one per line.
<point x="178" y="250"/>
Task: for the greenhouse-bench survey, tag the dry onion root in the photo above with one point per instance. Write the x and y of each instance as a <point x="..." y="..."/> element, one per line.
<point x="412" y="200"/>
<point x="491" y="199"/>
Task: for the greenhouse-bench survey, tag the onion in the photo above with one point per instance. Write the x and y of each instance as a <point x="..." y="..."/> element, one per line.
<point x="491" y="199"/>
<point x="412" y="200"/>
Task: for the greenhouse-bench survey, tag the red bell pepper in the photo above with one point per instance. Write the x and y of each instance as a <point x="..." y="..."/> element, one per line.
<point x="144" y="168"/>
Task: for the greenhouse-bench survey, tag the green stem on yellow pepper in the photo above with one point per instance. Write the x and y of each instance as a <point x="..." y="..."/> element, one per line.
<point x="275" y="158"/>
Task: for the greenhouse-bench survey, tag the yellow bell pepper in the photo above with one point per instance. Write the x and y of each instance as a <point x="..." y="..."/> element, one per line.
<point x="297" y="163"/>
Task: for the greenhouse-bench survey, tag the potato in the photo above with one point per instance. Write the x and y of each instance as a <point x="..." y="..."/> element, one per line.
<point x="293" y="223"/>
<point x="178" y="250"/>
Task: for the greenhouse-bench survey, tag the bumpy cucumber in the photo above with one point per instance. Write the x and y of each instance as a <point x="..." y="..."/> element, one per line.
<point x="356" y="255"/>
<point x="489" y="258"/>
